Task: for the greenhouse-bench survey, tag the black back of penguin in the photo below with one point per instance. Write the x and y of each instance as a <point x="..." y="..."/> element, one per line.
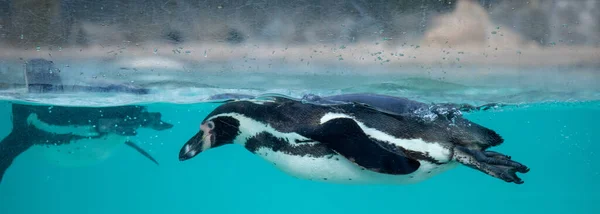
<point x="284" y="115"/>
<point x="289" y="115"/>
<point x="435" y="117"/>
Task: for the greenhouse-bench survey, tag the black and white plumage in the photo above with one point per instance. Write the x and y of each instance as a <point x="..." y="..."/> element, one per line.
<point x="75" y="136"/>
<point x="355" y="138"/>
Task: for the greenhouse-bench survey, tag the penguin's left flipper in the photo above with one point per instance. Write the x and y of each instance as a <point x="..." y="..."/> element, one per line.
<point x="492" y="163"/>
<point x="345" y="137"/>
<point x="141" y="151"/>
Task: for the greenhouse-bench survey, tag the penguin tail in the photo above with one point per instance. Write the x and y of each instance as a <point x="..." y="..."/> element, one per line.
<point x="491" y="138"/>
<point x="474" y="133"/>
<point x="10" y="147"/>
<point x="486" y="137"/>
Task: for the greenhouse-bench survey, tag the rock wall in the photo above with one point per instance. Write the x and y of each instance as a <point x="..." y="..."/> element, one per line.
<point x="470" y="25"/>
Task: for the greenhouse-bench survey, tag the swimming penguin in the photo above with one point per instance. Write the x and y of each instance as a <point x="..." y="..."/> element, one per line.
<point x="75" y="136"/>
<point x="355" y="138"/>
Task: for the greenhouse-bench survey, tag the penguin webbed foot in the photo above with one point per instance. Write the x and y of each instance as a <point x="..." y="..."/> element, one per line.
<point x="497" y="155"/>
<point x="502" y="165"/>
<point x="493" y="163"/>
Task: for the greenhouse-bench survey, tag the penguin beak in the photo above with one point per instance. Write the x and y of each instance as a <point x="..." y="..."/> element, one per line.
<point x="198" y="143"/>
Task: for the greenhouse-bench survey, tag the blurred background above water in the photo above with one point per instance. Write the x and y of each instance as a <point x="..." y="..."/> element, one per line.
<point x="30" y="23"/>
<point x="517" y="47"/>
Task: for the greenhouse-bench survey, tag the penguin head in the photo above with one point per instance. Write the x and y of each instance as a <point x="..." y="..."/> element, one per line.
<point x="214" y="132"/>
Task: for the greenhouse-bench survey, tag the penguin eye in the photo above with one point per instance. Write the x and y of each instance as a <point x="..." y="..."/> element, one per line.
<point x="210" y="124"/>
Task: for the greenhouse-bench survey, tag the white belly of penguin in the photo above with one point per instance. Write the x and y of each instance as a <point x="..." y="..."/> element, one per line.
<point x="338" y="169"/>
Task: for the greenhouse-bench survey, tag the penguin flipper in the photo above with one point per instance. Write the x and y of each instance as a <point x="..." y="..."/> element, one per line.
<point x="10" y="147"/>
<point x="345" y="137"/>
<point x="141" y="151"/>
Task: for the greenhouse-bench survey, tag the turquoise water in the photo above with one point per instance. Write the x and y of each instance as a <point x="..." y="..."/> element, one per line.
<point x="558" y="141"/>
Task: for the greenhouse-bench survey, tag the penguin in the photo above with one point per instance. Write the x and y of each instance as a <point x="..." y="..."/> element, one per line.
<point x="354" y="138"/>
<point x="75" y="136"/>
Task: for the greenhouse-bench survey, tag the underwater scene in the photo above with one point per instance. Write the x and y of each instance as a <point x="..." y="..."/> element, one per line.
<point x="410" y="106"/>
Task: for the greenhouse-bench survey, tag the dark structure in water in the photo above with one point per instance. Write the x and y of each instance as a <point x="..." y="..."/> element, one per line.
<point x="41" y="76"/>
<point x="55" y="126"/>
